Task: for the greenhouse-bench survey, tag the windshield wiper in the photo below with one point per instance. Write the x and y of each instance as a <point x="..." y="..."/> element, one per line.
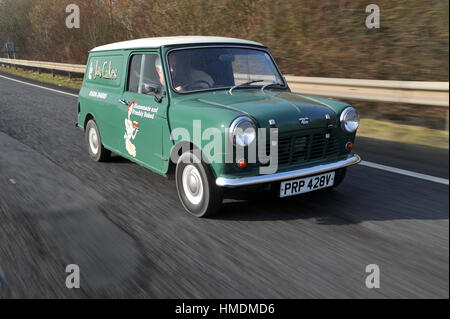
<point x="242" y="84"/>
<point x="270" y="84"/>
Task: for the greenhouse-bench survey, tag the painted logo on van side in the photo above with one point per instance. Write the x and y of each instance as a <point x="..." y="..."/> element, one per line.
<point x="105" y="71"/>
<point x="98" y="95"/>
<point x="131" y="130"/>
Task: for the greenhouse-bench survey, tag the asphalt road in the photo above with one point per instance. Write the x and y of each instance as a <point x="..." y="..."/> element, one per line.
<point x="125" y="228"/>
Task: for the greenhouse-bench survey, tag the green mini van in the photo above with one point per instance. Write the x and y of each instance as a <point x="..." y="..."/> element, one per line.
<point x="215" y="113"/>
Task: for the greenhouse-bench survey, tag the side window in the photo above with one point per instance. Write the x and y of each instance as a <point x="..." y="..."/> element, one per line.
<point x="144" y="69"/>
<point x="134" y="73"/>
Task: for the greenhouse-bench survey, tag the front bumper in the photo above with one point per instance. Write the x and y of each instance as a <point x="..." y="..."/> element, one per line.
<point x="252" y="180"/>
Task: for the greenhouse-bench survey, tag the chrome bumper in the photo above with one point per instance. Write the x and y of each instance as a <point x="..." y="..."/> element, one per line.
<point x="252" y="180"/>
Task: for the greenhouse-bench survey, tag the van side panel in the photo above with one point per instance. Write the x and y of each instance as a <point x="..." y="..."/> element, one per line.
<point x="104" y="84"/>
<point x="102" y="88"/>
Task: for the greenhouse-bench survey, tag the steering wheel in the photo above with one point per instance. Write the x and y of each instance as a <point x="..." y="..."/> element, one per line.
<point x="199" y="84"/>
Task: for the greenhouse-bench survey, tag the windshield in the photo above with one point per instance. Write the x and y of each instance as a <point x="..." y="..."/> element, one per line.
<point x="213" y="68"/>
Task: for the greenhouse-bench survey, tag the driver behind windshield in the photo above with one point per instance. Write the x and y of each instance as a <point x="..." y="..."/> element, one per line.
<point x="185" y="77"/>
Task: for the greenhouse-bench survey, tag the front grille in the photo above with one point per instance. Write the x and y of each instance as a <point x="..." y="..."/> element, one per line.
<point x="295" y="149"/>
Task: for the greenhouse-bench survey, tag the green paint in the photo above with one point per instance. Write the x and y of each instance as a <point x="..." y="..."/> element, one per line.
<point x="142" y="132"/>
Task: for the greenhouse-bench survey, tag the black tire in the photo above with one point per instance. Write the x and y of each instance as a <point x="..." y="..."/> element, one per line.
<point x="339" y="177"/>
<point x="99" y="153"/>
<point x="198" y="203"/>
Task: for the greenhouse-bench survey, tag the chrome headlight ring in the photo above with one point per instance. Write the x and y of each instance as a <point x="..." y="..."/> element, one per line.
<point x="242" y="131"/>
<point x="349" y="120"/>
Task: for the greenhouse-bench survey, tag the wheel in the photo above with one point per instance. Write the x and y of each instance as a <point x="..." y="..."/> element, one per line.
<point x="94" y="143"/>
<point x="196" y="186"/>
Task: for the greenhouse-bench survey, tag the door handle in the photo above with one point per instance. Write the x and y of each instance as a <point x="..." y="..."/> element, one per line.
<point x="124" y="102"/>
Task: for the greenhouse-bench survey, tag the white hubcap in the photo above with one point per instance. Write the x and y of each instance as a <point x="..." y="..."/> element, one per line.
<point x="192" y="184"/>
<point x="93" y="140"/>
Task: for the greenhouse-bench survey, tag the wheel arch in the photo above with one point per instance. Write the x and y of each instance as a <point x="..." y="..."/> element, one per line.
<point x="88" y="117"/>
<point x="176" y="152"/>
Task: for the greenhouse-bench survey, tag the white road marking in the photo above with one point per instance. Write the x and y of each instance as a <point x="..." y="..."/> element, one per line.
<point x="363" y="163"/>
<point x="405" y="172"/>
<point x="38" y="86"/>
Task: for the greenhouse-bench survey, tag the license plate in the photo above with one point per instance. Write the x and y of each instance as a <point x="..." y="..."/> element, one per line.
<point x="307" y="184"/>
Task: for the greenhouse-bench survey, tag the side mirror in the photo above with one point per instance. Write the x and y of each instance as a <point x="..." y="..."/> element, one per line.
<point x="153" y="89"/>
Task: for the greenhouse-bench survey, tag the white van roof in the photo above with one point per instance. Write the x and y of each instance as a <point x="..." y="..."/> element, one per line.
<point x="163" y="41"/>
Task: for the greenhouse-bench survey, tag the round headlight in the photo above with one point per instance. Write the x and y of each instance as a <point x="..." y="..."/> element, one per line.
<point x="349" y="120"/>
<point x="243" y="131"/>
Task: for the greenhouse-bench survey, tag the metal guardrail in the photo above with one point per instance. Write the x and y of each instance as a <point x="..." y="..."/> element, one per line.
<point x="387" y="84"/>
<point x="408" y="92"/>
<point x="52" y="66"/>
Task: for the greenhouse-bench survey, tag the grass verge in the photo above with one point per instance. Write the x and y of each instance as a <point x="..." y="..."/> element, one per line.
<point x="411" y="134"/>
<point x="59" y="80"/>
